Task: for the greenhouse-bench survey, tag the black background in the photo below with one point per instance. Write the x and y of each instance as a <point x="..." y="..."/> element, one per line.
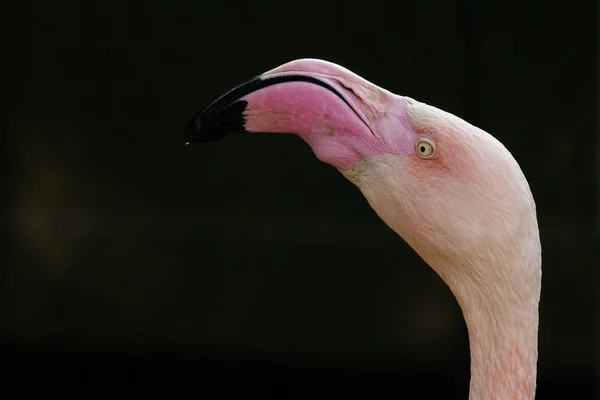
<point x="133" y="265"/>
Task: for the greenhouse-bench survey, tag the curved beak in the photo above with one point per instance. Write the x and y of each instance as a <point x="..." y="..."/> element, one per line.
<point x="290" y="105"/>
<point x="227" y="115"/>
<point x="343" y="117"/>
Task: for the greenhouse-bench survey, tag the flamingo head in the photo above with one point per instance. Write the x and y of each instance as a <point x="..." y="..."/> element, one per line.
<point x="451" y="190"/>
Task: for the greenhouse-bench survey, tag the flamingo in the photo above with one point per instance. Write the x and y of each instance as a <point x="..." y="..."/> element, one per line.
<point x="452" y="191"/>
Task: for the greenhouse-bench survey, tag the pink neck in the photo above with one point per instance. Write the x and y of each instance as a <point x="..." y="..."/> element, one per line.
<point x="503" y="353"/>
<point x="494" y="275"/>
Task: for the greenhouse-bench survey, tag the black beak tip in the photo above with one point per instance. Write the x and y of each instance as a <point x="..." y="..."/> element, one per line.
<point x="216" y="122"/>
<point x="197" y="132"/>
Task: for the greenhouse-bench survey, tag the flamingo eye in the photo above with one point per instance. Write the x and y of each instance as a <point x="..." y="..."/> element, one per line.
<point x="425" y="147"/>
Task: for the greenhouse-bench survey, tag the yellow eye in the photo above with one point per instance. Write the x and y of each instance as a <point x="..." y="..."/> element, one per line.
<point x="425" y="147"/>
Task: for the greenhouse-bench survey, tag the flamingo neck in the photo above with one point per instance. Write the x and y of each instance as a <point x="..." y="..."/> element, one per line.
<point x="503" y="350"/>
<point x="491" y="262"/>
<point x="499" y="299"/>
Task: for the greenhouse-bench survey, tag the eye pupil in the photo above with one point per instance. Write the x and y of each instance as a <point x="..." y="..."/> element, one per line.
<point x="424" y="148"/>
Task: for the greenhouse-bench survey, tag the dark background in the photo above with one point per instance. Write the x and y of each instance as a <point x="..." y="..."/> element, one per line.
<point x="133" y="265"/>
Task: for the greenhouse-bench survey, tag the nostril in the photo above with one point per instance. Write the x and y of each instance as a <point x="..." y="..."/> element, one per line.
<point x="349" y="89"/>
<point x="352" y="91"/>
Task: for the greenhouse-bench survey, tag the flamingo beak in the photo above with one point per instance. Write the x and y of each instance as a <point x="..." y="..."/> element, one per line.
<point x="343" y="117"/>
<point x="228" y="114"/>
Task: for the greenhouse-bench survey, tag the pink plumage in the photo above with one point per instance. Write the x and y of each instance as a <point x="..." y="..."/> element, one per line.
<point x="451" y="190"/>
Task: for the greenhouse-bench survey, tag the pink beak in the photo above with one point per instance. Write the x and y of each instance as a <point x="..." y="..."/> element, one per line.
<point x="342" y="116"/>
